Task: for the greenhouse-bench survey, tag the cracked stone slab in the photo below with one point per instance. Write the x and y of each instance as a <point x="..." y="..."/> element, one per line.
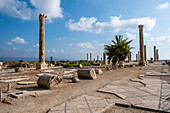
<point x="86" y="104"/>
<point x="153" y="96"/>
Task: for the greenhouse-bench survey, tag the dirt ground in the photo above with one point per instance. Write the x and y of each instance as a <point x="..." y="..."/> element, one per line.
<point x="67" y="91"/>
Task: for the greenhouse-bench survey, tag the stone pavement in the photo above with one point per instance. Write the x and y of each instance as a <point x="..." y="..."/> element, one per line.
<point x="153" y="96"/>
<point x="87" y="104"/>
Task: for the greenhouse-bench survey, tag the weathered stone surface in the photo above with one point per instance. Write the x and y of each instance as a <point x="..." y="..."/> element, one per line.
<point x="47" y="71"/>
<point x="13" y="80"/>
<point x="48" y="81"/>
<point x="26" y="83"/>
<point x="153" y="96"/>
<point x="87" y="73"/>
<point x="19" y="69"/>
<point x="141" y="43"/>
<point x="98" y="71"/>
<point x="84" y="104"/>
<point x="12" y="77"/>
<point x="41" y="64"/>
<point x="75" y="80"/>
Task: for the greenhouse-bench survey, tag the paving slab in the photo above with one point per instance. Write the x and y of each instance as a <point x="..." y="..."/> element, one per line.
<point x="47" y="71"/>
<point x="13" y="80"/>
<point x="26" y="83"/>
<point x="85" y="104"/>
<point x="153" y="96"/>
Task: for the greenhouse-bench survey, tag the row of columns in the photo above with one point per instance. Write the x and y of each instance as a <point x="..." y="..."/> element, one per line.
<point x="104" y="58"/>
<point x="141" y="56"/>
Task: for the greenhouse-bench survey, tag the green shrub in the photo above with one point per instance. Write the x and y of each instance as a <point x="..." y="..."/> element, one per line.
<point x="69" y="65"/>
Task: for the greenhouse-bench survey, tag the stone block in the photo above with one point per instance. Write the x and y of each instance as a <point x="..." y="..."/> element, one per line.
<point x="99" y="71"/>
<point x="26" y="83"/>
<point x="75" y="80"/>
<point x="19" y="69"/>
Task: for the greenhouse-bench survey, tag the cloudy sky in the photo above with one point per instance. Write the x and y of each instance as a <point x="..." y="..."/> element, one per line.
<point x="76" y="27"/>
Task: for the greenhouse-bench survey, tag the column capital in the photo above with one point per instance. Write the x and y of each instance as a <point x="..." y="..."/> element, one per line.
<point x="140" y="27"/>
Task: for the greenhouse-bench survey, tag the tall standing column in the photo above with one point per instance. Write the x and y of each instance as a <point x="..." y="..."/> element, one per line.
<point x="90" y="57"/>
<point x="101" y="59"/>
<point x="142" y="61"/>
<point x="154" y="53"/>
<point x="136" y="57"/>
<point x="97" y="58"/>
<point x="145" y="57"/>
<point x="157" y="55"/>
<point x="104" y="58"/>
<point x="129" y="57"/>
<point x="87" y="57"/>
<point x="42" y="64"/>
<point x="51" y="59"/>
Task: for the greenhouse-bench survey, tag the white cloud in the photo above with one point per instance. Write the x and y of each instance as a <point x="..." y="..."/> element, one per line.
<point x="36" y="45"/>
<point x="21" y="9"/>
<point x="146" y="34"/>
<point x="62" y="50"/>
<point x="48" y="51"/>
<point x="162" y="6"/>
<point x="18" y="40"/>
<point x="9" y="43"/>
<point x="88" y="45"/>
<point x="61" y="38"/>
<point x="54" y="51"/>
<point x="160" y="40"/>
<point x="71" y="45"/>
<point x="129" y="35"/>
<point x="95" y="41"/>
<point x="168" y="28"/>
<point x="84" y="24"/>
<point x="115" y="25"/>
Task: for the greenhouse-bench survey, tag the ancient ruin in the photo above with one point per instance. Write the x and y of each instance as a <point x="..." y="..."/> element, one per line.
<point x="142" y="61"/>
<point x="87" y="57"/>
<point x="155" y="58"/>
<point x="42" y="64"/>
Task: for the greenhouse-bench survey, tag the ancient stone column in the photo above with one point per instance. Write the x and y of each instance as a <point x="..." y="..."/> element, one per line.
<point x="97" y="58"/>
<point x="101" y="59"/>
<point x="104" y="58"/>
<point x="87" y="57"/>
<point x="154" y="53"/>
<point x="157" y="55"/>
<point x="51" y="59"/>
<point x="136" y="57"/>
<point x="42" y="64"/>
<point x="145" y="57"/>
<point x="142" y="61"/>
<point x="90" y="57"/>
<point x="129" y="57"/>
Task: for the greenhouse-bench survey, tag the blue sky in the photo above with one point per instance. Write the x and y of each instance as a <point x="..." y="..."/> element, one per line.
<point x="74" y="28"/>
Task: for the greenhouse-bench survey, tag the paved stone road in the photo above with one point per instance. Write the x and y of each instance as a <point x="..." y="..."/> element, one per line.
<point x="86" y="104"/>
<point x="153" y="96"/>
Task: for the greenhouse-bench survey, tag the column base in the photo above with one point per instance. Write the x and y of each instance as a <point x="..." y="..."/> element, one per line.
<point x="142" y="63"/>
<point x="41" y="66"/>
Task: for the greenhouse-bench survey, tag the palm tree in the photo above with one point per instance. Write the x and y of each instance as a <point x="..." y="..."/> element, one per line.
<point x="119" y="50"/>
